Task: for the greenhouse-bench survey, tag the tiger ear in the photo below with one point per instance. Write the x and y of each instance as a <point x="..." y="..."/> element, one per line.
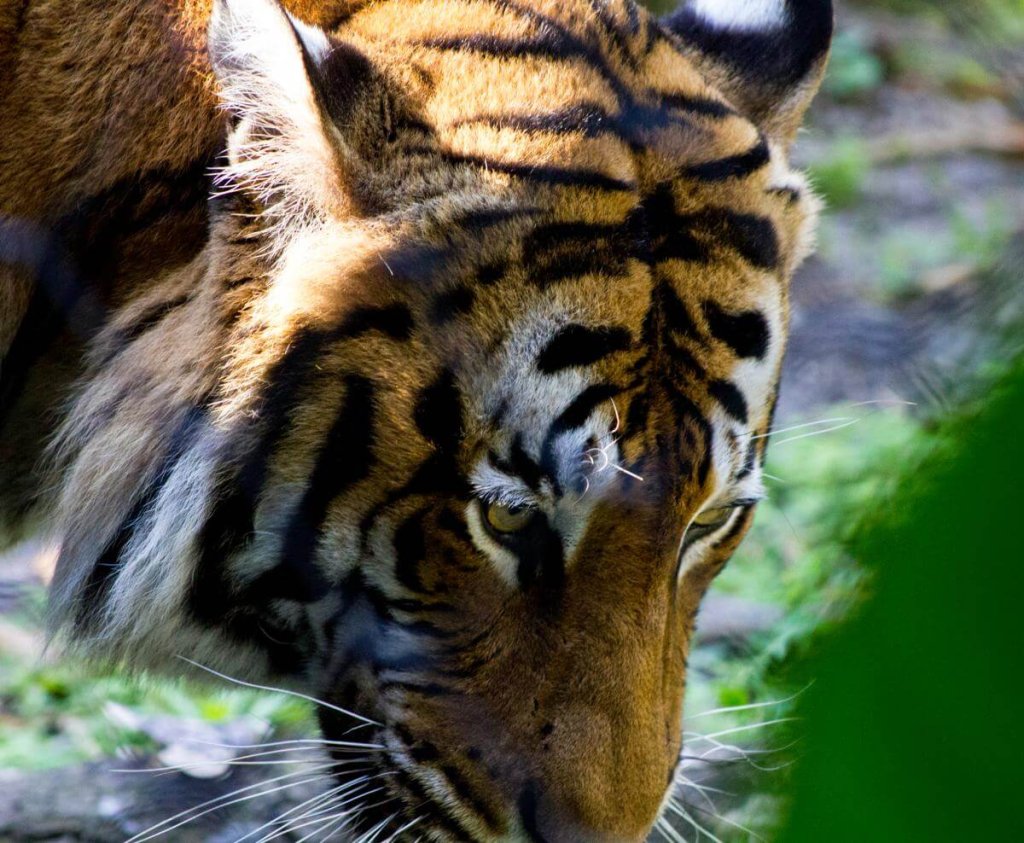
<point x="766" y="56"/>
<point x="284" y="82"/>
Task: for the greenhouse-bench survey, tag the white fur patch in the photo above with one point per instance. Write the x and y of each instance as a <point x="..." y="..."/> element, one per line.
<point x="281" y="150"/>
<point x="745" y="15"/>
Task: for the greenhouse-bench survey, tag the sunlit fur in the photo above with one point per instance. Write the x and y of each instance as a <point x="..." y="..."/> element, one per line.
<point x="454" y="253"/>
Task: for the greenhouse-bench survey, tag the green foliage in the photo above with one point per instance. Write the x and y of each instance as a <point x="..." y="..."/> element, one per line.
<point x="55" y="714"/>
<point x="913" y="727"/>
<point x="840" y="177"/>
<point x="1001" y="20"/>
<point x="973" y="241"/>
<point x="854" y="70"/>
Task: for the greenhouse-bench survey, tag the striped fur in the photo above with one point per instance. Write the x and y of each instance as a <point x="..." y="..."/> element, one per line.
<point x="456" y="253"/>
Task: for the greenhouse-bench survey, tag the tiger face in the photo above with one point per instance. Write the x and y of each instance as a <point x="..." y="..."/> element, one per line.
<point x="507" y="285"/>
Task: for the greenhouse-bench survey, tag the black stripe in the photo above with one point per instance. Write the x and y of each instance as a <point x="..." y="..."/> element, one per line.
<point x="468" y="796"/>
<point x="479" y="220"/>
<point x="753" y="237"/>
<point x="572" y="417"/>
<point x="545" y="174"/>
<point x="735" y="166"/>
<point x="148" y="319"/>
<point x="670" y="306"/>
<point x="582" y="407"/>
<point x="588" y="119"/>
<point x="452" y="304"/>
<point x="523" y="465"/>
<point x="556" y="42"/>
<point x="109" y="562"/>
<point x="562" y="251"/>
<point x="697" y="105"/>
<point x="582" y="345"/>
<point x="664" y="232"/>
<point x="410" y="550"/>
<point x="731" y="399"/>
<point x="790" y="194"/>
<point x="749" y="460"/>
<point x="452" y="521"/>
<point x="746" y="333"/>
<point x="449" y="823"/>
<point x="438" y="413"/>
<point x="528" y="806"/>
<point x="231" y="520"/>
<point x="697" y="433"/>
<point x="491" y="273"/>
<point x="345" y="458"/>
<point x="633" y="125"/>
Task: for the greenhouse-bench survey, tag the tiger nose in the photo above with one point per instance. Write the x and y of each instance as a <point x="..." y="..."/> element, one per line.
<point x="545" y="818"/>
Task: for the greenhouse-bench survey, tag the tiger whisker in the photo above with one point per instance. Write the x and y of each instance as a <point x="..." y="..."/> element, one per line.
<point x="881" y="402"/>
<point x="307" y="744"/>
<point x="816" y="433"/>
<point x="285" y="691"/>
<point x="152" y="833"/>
<point x="680" y="811"/>
<point x="324" y="812"/>
<point x="247" y="761"/>
<point x="335" y="822"/>
<point x="341" y="796"/>
<point x="701" y="791"/>
<point x="722" y="818"/>
<point x="667" y="830"/>
<point x="730" y="709"/>
<point x="804" y="426"/>
<point x="304" y="806"/>
<point x="736" y="729"/>
<point x="329" y="810"/>
<point x="745" y="755"/>
<point x="403" y="829"/>
<point x="371" y="835"/>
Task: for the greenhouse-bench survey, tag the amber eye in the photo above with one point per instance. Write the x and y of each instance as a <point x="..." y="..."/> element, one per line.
<point x="712" y="518"/>
<point x="508" y="519"/>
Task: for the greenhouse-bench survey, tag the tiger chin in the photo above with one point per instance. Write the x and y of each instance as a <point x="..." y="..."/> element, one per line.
<point x="420" y="355"/>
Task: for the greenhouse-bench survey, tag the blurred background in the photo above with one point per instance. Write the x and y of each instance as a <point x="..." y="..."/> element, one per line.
<point x="880" y="719"/>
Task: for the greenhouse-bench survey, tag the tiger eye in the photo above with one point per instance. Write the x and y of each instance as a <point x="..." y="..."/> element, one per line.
<point x="508" y="519"/>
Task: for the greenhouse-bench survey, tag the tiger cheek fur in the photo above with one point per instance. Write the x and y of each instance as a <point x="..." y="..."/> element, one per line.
<point x="461" y="405"/>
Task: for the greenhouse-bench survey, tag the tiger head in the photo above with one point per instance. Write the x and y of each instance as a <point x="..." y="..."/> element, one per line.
<point x="498" y="292"/>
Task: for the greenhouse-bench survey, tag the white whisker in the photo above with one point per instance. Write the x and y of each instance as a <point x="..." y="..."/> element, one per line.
<point x="730" y="709"/>
<point x="286" y="691"/>
<point x="151" y="834"/>
<point x="735" y="729"/>
<point x="305" y="805"/>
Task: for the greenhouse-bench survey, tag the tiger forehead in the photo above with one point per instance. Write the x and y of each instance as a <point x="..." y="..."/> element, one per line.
<point x="595" y="84"/>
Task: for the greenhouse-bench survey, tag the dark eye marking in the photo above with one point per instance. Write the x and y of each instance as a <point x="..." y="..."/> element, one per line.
<point x="731" y="399"/>
<point x="579" y="345"/>
<point x="745" y="333"/>
<point x="572" y="417"/>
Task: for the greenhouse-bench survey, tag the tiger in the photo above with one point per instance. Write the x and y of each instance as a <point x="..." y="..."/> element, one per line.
<point x="417" y="355"/>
